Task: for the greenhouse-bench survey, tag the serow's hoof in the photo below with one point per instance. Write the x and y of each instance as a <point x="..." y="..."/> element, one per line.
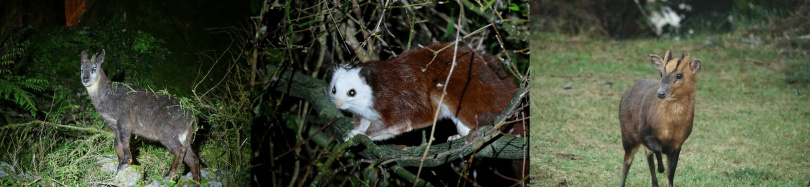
<point x="121" y="167"/>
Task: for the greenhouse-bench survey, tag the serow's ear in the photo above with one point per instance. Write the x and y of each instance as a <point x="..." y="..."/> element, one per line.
<point x="84" y="55"/>
<point x="367" y="74"/>
<point x="695" y="65"/>
<point x="100" y="58"/>
<point x="657" y="62"/>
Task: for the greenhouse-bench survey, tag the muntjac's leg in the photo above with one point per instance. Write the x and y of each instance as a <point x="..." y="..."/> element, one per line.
<point x="629" y="152"/>
<point x="651" y="165"/>
<point x="654" y="145"/>
<point x="672" y="158"/>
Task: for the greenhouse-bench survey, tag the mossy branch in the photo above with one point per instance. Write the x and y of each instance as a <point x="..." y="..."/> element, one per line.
<point x="58" y="126"/>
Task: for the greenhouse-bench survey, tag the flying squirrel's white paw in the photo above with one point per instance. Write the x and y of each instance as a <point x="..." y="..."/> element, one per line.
<point x="351" y="134"/>
<point x="453" y="137"/>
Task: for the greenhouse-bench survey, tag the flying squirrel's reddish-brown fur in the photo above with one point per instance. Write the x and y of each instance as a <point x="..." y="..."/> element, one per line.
<point x="407" y="89"/>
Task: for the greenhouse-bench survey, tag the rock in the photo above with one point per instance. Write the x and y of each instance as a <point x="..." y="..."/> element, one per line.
<point x="214" y="184"/>
<point x="156" y="183"/>
<point x="107" y="163"/>
<point x="7" y="170"/>
<point x="187" y="183"/>
<point x="567" y="86"/>
<point x="214" y="177"/>
<point x="127" y="177"/>
<point x="134" y="173"/>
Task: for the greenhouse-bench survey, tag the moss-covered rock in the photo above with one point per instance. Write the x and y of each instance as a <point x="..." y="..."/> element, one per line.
<point x="129" y="176"/>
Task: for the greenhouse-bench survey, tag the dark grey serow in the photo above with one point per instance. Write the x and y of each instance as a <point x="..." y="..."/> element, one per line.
<point x="129" y="109"/>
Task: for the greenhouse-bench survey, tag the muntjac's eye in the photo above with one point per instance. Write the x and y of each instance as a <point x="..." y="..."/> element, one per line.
<point x="679" y="76"/>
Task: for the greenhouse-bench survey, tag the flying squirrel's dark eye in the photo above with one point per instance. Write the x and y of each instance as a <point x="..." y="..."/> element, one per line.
<point x="351" y="93"/>
<point x="333" y="90"/>
<point x="679" y="76"/>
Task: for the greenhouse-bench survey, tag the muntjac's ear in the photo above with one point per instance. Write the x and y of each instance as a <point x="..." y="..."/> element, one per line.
<point x="657" y="62"/>
<point x="695" y="65"/>
<point x="100" y="57"/>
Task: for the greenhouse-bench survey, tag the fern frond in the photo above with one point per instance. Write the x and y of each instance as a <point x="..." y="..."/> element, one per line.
<point x="5" y="62"/>
<point x="20" y="97"/>
<point x="33" y="83"/>
<point x="10" y="56"/>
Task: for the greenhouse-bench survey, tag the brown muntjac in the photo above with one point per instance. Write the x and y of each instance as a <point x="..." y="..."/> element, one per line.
<point x="659" y="113"/>
<point x="129" y="109"/>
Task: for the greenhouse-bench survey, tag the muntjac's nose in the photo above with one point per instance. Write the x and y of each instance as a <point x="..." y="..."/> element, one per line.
<point x="662" y="91"/>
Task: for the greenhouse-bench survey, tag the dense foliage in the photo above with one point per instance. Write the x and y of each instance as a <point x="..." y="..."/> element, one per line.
<point x="299" y="123"/>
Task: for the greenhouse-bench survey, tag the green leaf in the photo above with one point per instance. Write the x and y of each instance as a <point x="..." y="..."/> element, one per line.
<point x="514" y="7"/>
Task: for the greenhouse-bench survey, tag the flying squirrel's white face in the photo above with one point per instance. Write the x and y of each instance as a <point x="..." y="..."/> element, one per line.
<point x="349" y="90"/>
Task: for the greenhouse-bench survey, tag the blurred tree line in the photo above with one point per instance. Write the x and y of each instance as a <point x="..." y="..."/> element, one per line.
<point x="632" y="18"/>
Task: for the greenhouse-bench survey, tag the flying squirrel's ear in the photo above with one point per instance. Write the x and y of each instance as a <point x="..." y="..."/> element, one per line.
<point x="367" y="74"/>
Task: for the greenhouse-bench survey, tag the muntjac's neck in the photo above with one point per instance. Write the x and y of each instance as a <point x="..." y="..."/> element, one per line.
<point x="680" y="106"/>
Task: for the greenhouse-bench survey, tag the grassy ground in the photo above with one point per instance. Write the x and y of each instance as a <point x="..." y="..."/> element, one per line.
<point x="751" y="127"/>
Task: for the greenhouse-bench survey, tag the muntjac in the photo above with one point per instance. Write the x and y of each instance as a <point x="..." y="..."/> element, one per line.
<point x="659" y="113"/>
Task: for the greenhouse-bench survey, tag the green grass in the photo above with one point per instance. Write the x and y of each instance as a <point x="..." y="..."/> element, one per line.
<point x="751" y="128"/>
